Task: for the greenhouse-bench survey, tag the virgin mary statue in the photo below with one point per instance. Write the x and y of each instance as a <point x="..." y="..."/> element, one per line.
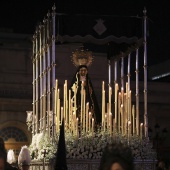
<point x="82" y="59"/>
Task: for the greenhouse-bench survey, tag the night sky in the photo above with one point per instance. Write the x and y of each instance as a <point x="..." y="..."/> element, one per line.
<point x="22" y="17"/>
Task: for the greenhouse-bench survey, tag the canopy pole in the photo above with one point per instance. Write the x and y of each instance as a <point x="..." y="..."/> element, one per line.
<point x="109" y="73"/>
<point x="145" y="75"/>
<point x="53" y="74"/>
<point x="137" y="92"/>
<point x="122" y="71"/>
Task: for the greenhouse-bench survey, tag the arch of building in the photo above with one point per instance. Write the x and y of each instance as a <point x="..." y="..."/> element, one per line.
<point x="15" y="135"/>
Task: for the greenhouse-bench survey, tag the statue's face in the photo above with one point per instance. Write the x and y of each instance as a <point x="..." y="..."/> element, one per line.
<point x="83" y="71"/>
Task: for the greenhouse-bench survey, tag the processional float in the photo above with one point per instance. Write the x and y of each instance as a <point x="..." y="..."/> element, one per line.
<point x="48" y="110"/>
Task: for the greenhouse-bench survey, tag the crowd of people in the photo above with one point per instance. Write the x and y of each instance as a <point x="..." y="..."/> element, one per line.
<point x="8" y="161"/>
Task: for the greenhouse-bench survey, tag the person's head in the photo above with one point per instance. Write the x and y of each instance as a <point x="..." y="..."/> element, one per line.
<point x="83" y="70"/>
<point x="24" y="158"/>
<point x="11" y="157"/>
<point x="117" y="157"/>
<point x="161" y="164"/>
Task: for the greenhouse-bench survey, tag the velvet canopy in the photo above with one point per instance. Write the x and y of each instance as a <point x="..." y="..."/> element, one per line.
<point x="115" y="35"/>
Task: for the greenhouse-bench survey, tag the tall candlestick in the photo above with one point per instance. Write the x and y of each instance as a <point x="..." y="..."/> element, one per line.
<point x="55" y="104"/>
<point x="92" y="126"/>
<point x="87" y="111"/>
<point x="141" y="128"/>
<point x="89" y="121"/>
<point x="77" y="130"/>
<point x="62" y="116"/>
<point x="122" y="119"/>
<point x="84" y="108"/>
<point x="75" y="92"/>
<point x="110" y="98"/>
<point x="105" y="117"/>
<point x="129" y="130"/>
<point x="130" y="106"/>
<point x="82" y="88"/>
<point x="110" y="123"/>
<point x="116" y="89"/>
<point x="58" y="115"/>
<point x="133" y="116"/>
<point x="122" y="95"/>
<point x="103" y="103"/>
<point x="73" y="123"/>
<point x="71" y="115"/>
<point x="66" y="103"/>
<point x="119" y="112"/>
<point x="69" y="108"/>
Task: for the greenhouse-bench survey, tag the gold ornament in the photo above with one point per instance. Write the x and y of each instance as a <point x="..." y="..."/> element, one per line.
<point x="82" y="57"/>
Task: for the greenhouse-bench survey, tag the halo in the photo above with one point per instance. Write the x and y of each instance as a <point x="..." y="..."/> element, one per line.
<point x="82" y="57"/>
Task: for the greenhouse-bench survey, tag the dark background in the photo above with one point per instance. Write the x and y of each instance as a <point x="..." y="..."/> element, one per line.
<point x="22" y="16"/>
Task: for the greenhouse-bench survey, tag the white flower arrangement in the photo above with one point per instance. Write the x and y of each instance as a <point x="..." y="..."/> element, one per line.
<point x="89" y="146"/>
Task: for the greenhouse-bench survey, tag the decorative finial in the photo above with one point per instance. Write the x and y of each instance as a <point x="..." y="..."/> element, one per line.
<point x="144" y="11"/>
<point x="54" y="7"/>
<point x="82" y="57"/>
<point x="53" y="10"/>
<point x="48" y="14"/>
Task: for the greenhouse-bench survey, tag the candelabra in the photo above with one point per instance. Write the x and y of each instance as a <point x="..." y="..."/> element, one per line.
<point x="157" y="137"/>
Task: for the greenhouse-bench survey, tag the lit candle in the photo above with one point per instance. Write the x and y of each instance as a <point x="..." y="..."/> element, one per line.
<point x="127" y="87"/>
<point x="110" y="123"/>
<point x="129" y="130"/>
<point x="71" y="115"/>
<point x="82" y="88"/>
<point x="56" y="126"/>
<point x="77" y="130"/>
<point x="66" y="103"/>
<point x="89" y="121"/>
<point x="56" y="89"/>
<point x="125" y="110"/>
<point x="103" y="103"/>
<point x="73" y="122"/>
<point x="75" y="91"/>
<point x="105" y="117"/>
<point x="110" y="98"/>
<point x="122" y="94"/>
<point x="122" y="118"/>
<point x="62" y="116"/>
<point x="116" y="89"/>
<point x="108" y="117"/>
<point x="58" y="114"/>
<point x="84" y="108"/>
<point x="55" y="100"/>
<point x="141" y="128"/>
<point x="119" y="112"/>
<point x="69" y="108"/>
<point x="92" y="126"/>
<point x="130" y="106"/>
<point x="133" y="116"/>
<point x="87" y="111"/>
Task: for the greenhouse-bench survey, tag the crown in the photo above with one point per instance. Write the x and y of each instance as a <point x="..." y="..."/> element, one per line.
<point x="82" y="57"/>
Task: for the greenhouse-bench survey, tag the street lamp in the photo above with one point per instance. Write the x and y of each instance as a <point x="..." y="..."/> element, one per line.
<point x="157" y="137"/>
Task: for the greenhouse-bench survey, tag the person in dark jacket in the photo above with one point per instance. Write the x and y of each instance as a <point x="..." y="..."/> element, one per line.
<point x="117" y="156"/>
<point x="4" y="156"/>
